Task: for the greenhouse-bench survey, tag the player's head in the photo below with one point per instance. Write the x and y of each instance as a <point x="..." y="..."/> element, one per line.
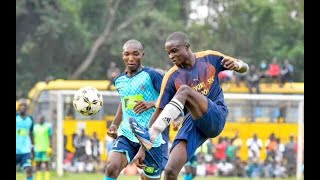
<point x="23" y="106"/>
<point x="132" y="54"/>
<point x="178" y="48"/>
<point x="41" y="120"/>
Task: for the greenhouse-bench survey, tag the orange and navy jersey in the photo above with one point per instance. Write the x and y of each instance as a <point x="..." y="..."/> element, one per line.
<point x="203" y="78"/>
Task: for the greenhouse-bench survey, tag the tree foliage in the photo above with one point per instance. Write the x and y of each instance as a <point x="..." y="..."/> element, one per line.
<point x="54" y="37"/>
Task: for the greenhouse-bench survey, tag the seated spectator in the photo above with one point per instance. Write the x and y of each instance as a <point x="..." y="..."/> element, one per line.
<point x="253" y="80"/>
<point x="286" y="74"/>
<point x="273" y="71"/>
<point x="225" y="168"/>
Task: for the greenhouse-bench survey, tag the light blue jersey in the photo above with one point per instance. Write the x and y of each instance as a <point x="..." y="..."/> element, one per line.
<point x="23" y="127"/>
<point x="145" y="85"/>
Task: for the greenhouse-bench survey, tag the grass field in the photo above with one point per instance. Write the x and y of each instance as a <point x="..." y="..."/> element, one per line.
<point x="21" y="176"/>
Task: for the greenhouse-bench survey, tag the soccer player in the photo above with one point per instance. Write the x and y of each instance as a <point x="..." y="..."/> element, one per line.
<point x="42" y="133"/>
<point x="192" y="83"/>
<point x="191" y="168"/>
<point x="139" y="89"/>
<point x="24" y="138"/>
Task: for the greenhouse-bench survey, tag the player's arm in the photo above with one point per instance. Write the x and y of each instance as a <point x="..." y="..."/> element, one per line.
<point x="156" y="79"/>
<point x="31" y="137"/>
<point x="112" y="130"/>
<point x="234" y="64"/>
<point x="142" y="106"/>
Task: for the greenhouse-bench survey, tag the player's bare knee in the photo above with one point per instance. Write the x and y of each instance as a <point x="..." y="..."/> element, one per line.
<point x="112" y="170"/>
<point x="184" y="90"/>
<point x="171" y="172"/>
<point x="28" y="171"/>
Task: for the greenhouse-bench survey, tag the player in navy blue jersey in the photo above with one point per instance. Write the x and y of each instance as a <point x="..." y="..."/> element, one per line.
<point x="191" y="87"/>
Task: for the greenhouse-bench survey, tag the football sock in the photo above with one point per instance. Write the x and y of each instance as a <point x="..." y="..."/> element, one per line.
<point x="108" y="178"/>
<point x="46" y="175"/>
<point x="170" y="112"/>
<point x="39" y="175"/>
<point x="188" y="177"/>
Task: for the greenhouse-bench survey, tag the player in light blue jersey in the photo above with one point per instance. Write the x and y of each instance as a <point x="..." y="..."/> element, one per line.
<point x="24" y="138"/>
<point x="139" y="89"/>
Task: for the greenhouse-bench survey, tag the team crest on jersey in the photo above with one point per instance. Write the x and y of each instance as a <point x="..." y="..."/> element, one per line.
<point x="143" y="88"/>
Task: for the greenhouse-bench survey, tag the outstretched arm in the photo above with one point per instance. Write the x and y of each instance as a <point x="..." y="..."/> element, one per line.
<point x="235" y="64"/>
<point x="112" y="130"/>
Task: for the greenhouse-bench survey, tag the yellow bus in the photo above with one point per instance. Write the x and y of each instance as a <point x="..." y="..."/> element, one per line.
<point x="245" y="117"/>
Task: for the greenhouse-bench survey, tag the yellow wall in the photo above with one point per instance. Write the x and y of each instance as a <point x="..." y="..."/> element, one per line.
<point x="71" y="126"/>
<point x="246" y="130"/>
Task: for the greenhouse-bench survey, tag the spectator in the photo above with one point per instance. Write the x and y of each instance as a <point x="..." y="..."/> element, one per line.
<point x="254" y="146"/>
<point x="80" y="142"/>
<point x="290" y="156"/>
<point x="271" y="146"/>
<point x="286" y="74"/>
<point x="273" y="71"/>
<point x="221" y="147"/>
<point x="253" y="80"/>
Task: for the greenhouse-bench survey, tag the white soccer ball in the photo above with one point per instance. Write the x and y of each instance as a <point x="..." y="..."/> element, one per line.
<point x="88" y="101"/>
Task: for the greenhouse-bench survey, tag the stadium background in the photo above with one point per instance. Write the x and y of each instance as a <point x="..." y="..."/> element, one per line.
<point x="54" y="45"/>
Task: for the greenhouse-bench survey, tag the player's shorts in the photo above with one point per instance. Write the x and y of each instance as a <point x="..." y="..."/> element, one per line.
<point x="196" y="132"/>
<point x="41" y="156"/>
<point x="24" y="160"/>
<point x="153" y="158"/>
<point x="192" y="161"/>
<point x="164" y="147"/>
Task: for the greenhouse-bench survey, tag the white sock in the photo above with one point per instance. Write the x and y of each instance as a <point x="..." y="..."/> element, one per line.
<point x="170" y="112"/>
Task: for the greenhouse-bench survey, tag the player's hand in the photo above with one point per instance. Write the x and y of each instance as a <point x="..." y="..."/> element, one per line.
<point x="139" y="158"/>
<point x="142" y="106"/>
<point x="49" y="151"/>
<point x="112" y="131"/>
<point x="230" y="63"/>
<point x="32" y="153"/>
<point x="176" y="123"/>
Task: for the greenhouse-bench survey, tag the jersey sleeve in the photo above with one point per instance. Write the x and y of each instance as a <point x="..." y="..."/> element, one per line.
<point x="49" y="130"/>
<point x="167" y="91"/>
<point x="32" y="124"/>
<point x="156" y="78"/>
<point x="215" y="59"/>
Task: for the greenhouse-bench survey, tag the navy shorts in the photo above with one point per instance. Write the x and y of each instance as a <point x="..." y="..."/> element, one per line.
<point x="24" y="160"/>
<point x="196" y="132"/>
<point x="153" y="158"/>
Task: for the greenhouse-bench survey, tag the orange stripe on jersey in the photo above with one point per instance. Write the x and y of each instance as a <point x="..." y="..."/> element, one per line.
<point x="164" y="83"/>
<point x="210" y="52"/>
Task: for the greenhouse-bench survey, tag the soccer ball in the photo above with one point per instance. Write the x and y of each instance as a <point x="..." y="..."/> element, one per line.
<point x="88" y="101"/>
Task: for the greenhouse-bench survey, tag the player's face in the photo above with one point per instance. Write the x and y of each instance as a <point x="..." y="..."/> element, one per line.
<point x="23" y="108"/>
<point x="132" y="56"/>
<point x="177" y="53"/>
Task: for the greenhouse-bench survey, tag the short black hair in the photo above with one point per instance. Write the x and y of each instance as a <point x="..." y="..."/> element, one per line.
<point x="133" y="41"/>
<point x="180" y="37"/>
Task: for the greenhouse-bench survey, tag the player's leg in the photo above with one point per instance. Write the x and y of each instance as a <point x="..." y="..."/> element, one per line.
<point x="26" y="164"/>
<point x="185" y="96"/>
<point x="37" y="159"/>
<point x="46" y="159"/>
<point x="187" y="140"/>
<point x="191" y="169"/>
<point x="118" y="158"/>
<point x="177" y="159"/>
<point x="153" y="161"/>
<point x="194" y="170"/>
<point x="188" y="171"/>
